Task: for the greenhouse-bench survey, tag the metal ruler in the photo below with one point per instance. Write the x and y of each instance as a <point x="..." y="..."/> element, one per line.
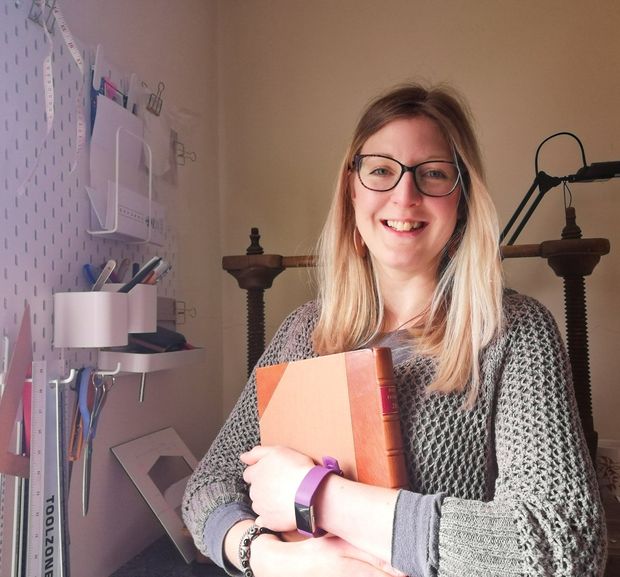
<point x="36" y="485"/>
<point x="45" y="551"/>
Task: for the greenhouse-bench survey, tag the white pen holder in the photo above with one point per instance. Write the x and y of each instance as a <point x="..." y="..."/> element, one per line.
<point x="90" y="319"/>
<point x="97" y="319"/>
<point x="142" y="307"/>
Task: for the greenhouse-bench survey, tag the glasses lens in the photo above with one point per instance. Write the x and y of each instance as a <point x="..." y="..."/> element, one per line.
<point x="378" y="173"/>
<point x="436" y="178"/>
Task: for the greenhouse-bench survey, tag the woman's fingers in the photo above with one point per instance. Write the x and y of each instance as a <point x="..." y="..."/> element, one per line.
<point x="274" y="474"/>
<point x="352" y="552"/>
<point x="327" y="556"/>
<point x="254" y="455"/>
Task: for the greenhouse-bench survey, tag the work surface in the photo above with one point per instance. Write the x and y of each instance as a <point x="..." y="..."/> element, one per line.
<point x="161" y="559"/>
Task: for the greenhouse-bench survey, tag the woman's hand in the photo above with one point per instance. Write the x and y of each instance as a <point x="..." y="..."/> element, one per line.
<point x="327" y="556"/>
<point x="274" y="474"/>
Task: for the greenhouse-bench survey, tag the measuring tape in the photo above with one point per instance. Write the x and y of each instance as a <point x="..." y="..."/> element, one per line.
<point x="48" y="86"/>
<point x="45" y="501"/>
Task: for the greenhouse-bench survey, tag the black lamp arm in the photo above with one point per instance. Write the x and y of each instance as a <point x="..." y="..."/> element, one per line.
<point x="544" y="183"/>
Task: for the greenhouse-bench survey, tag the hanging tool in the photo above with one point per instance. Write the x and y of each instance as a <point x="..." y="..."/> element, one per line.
<point x="90" y="422"/>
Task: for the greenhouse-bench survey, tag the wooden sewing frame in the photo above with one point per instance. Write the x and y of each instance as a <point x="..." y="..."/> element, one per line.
<point x="571" y="257"/>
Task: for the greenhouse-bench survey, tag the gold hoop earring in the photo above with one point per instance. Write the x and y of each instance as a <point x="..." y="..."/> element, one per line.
<point x="359" y="244"/>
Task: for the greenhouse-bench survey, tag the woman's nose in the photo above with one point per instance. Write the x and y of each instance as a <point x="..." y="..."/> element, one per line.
<point x="406" y="191"/>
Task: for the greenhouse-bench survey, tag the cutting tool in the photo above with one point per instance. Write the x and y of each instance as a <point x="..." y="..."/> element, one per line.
<point x="101" y="387"/>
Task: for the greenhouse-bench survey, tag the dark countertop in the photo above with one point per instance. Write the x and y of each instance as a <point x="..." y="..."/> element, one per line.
<point x="161" y="559"/>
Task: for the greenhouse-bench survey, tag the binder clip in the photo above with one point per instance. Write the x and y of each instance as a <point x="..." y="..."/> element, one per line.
<point x="181" y="154"/>
<point x="155" y="101"/>
<point x="42" y="13"/>
<point x="182" y="311"/>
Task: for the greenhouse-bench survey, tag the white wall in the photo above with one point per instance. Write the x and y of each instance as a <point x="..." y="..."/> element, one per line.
<point x="175" y="43"/>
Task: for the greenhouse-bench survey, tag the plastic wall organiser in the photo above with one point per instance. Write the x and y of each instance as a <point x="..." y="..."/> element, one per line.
<point x="104" y="319"/>
<point x="141" y="307"/>
<point x="132" y="219"/>
<point x="90" y="319"/>
<point x="98" y="319"/>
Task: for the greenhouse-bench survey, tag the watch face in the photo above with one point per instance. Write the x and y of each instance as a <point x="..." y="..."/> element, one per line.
<point x="304" y="517"/>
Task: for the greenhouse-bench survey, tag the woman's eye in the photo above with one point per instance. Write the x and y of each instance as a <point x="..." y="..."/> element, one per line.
<point x="434" y="174"/>
<point x="380" y="171"/>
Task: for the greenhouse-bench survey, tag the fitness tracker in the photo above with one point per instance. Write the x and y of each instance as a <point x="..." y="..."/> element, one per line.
<point x="304" y="508"/>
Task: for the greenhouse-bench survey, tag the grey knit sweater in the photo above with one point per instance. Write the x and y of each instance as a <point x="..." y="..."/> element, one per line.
<point x="503" y="489"/>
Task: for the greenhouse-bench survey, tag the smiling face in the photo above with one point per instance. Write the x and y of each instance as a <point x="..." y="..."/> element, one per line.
<point x="404" y="230"/>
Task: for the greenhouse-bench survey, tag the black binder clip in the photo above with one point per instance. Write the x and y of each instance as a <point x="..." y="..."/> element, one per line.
<point x="42" y="13"/>
<point x="181" y="154"/>
<point x="155" y="101"/>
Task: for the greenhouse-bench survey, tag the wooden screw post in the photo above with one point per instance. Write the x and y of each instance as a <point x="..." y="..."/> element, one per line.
<point x="254" y="272"/>
<point x="574" y="258"/>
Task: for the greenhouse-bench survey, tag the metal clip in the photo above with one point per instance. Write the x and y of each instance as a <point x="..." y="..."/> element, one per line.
<point x="182" y="311"/>
<point x="42" y="13"/>
<point x="155" y="101"/>
<point x="181" y="154"/>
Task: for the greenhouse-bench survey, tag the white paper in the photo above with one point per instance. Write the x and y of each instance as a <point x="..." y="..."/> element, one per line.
<point x="115" y="126"/>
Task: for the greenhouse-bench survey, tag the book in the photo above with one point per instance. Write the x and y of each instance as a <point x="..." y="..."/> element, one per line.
<point x="343" y="405"/>
<point x="162" y="341"/>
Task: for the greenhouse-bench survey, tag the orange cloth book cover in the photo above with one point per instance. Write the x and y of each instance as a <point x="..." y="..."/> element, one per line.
<point x="343" y="405"/>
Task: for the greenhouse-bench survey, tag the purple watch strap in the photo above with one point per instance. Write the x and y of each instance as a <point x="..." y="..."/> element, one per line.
<point x="312" y="480"/>
<point x="306" y="491"/>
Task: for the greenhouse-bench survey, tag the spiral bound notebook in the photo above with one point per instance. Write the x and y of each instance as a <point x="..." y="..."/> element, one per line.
<point x="343" y="405"/>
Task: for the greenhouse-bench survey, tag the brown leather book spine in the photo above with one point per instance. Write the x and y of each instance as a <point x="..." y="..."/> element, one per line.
<point x="393" y="439"/>
<point x="375" y="417"/>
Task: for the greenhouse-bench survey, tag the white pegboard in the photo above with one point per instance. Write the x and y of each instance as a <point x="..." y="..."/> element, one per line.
<point x="43" y="238"/>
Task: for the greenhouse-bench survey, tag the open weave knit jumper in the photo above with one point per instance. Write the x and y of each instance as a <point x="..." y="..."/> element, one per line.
<point x="503" y="489"/>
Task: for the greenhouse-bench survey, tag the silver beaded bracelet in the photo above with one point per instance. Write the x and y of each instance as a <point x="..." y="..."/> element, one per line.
<point x="244" y="547"/>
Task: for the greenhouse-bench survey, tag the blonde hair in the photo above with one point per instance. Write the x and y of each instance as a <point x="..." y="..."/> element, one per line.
<point x="466" y="308"/>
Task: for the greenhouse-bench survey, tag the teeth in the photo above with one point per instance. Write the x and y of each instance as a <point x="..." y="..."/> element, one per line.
<point x="404" y="226"/>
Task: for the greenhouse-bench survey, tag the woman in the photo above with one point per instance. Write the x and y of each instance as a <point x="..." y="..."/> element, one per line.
<point x="500" y="480"/>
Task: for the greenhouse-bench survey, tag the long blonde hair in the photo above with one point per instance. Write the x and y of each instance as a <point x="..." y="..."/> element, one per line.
<point x="466" y="308"/>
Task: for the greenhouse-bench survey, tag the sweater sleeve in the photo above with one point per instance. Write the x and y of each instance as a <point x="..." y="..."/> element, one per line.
<point x="546" y="517"/>
<point x="216" y="496"/>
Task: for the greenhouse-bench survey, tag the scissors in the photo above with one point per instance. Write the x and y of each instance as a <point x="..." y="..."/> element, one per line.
<point x="89" y="422"/>
<point x="76" y="438"/>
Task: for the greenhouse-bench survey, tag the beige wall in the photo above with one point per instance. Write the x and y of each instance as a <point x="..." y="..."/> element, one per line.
<point x="295" y="75"/>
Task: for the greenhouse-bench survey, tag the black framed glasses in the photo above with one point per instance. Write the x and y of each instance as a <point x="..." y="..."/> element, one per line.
<point x="382" y="173"/>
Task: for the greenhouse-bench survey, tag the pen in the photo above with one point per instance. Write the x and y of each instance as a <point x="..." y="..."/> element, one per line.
<point x="122" y="269"/>
<point x="105" y="275"/>
<point x="90" y="274"/>
<point x="159" y="272"/>
<point x="141" y="274"/>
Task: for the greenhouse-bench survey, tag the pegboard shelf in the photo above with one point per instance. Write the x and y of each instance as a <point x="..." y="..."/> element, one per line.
<point x="148" y="362"/>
